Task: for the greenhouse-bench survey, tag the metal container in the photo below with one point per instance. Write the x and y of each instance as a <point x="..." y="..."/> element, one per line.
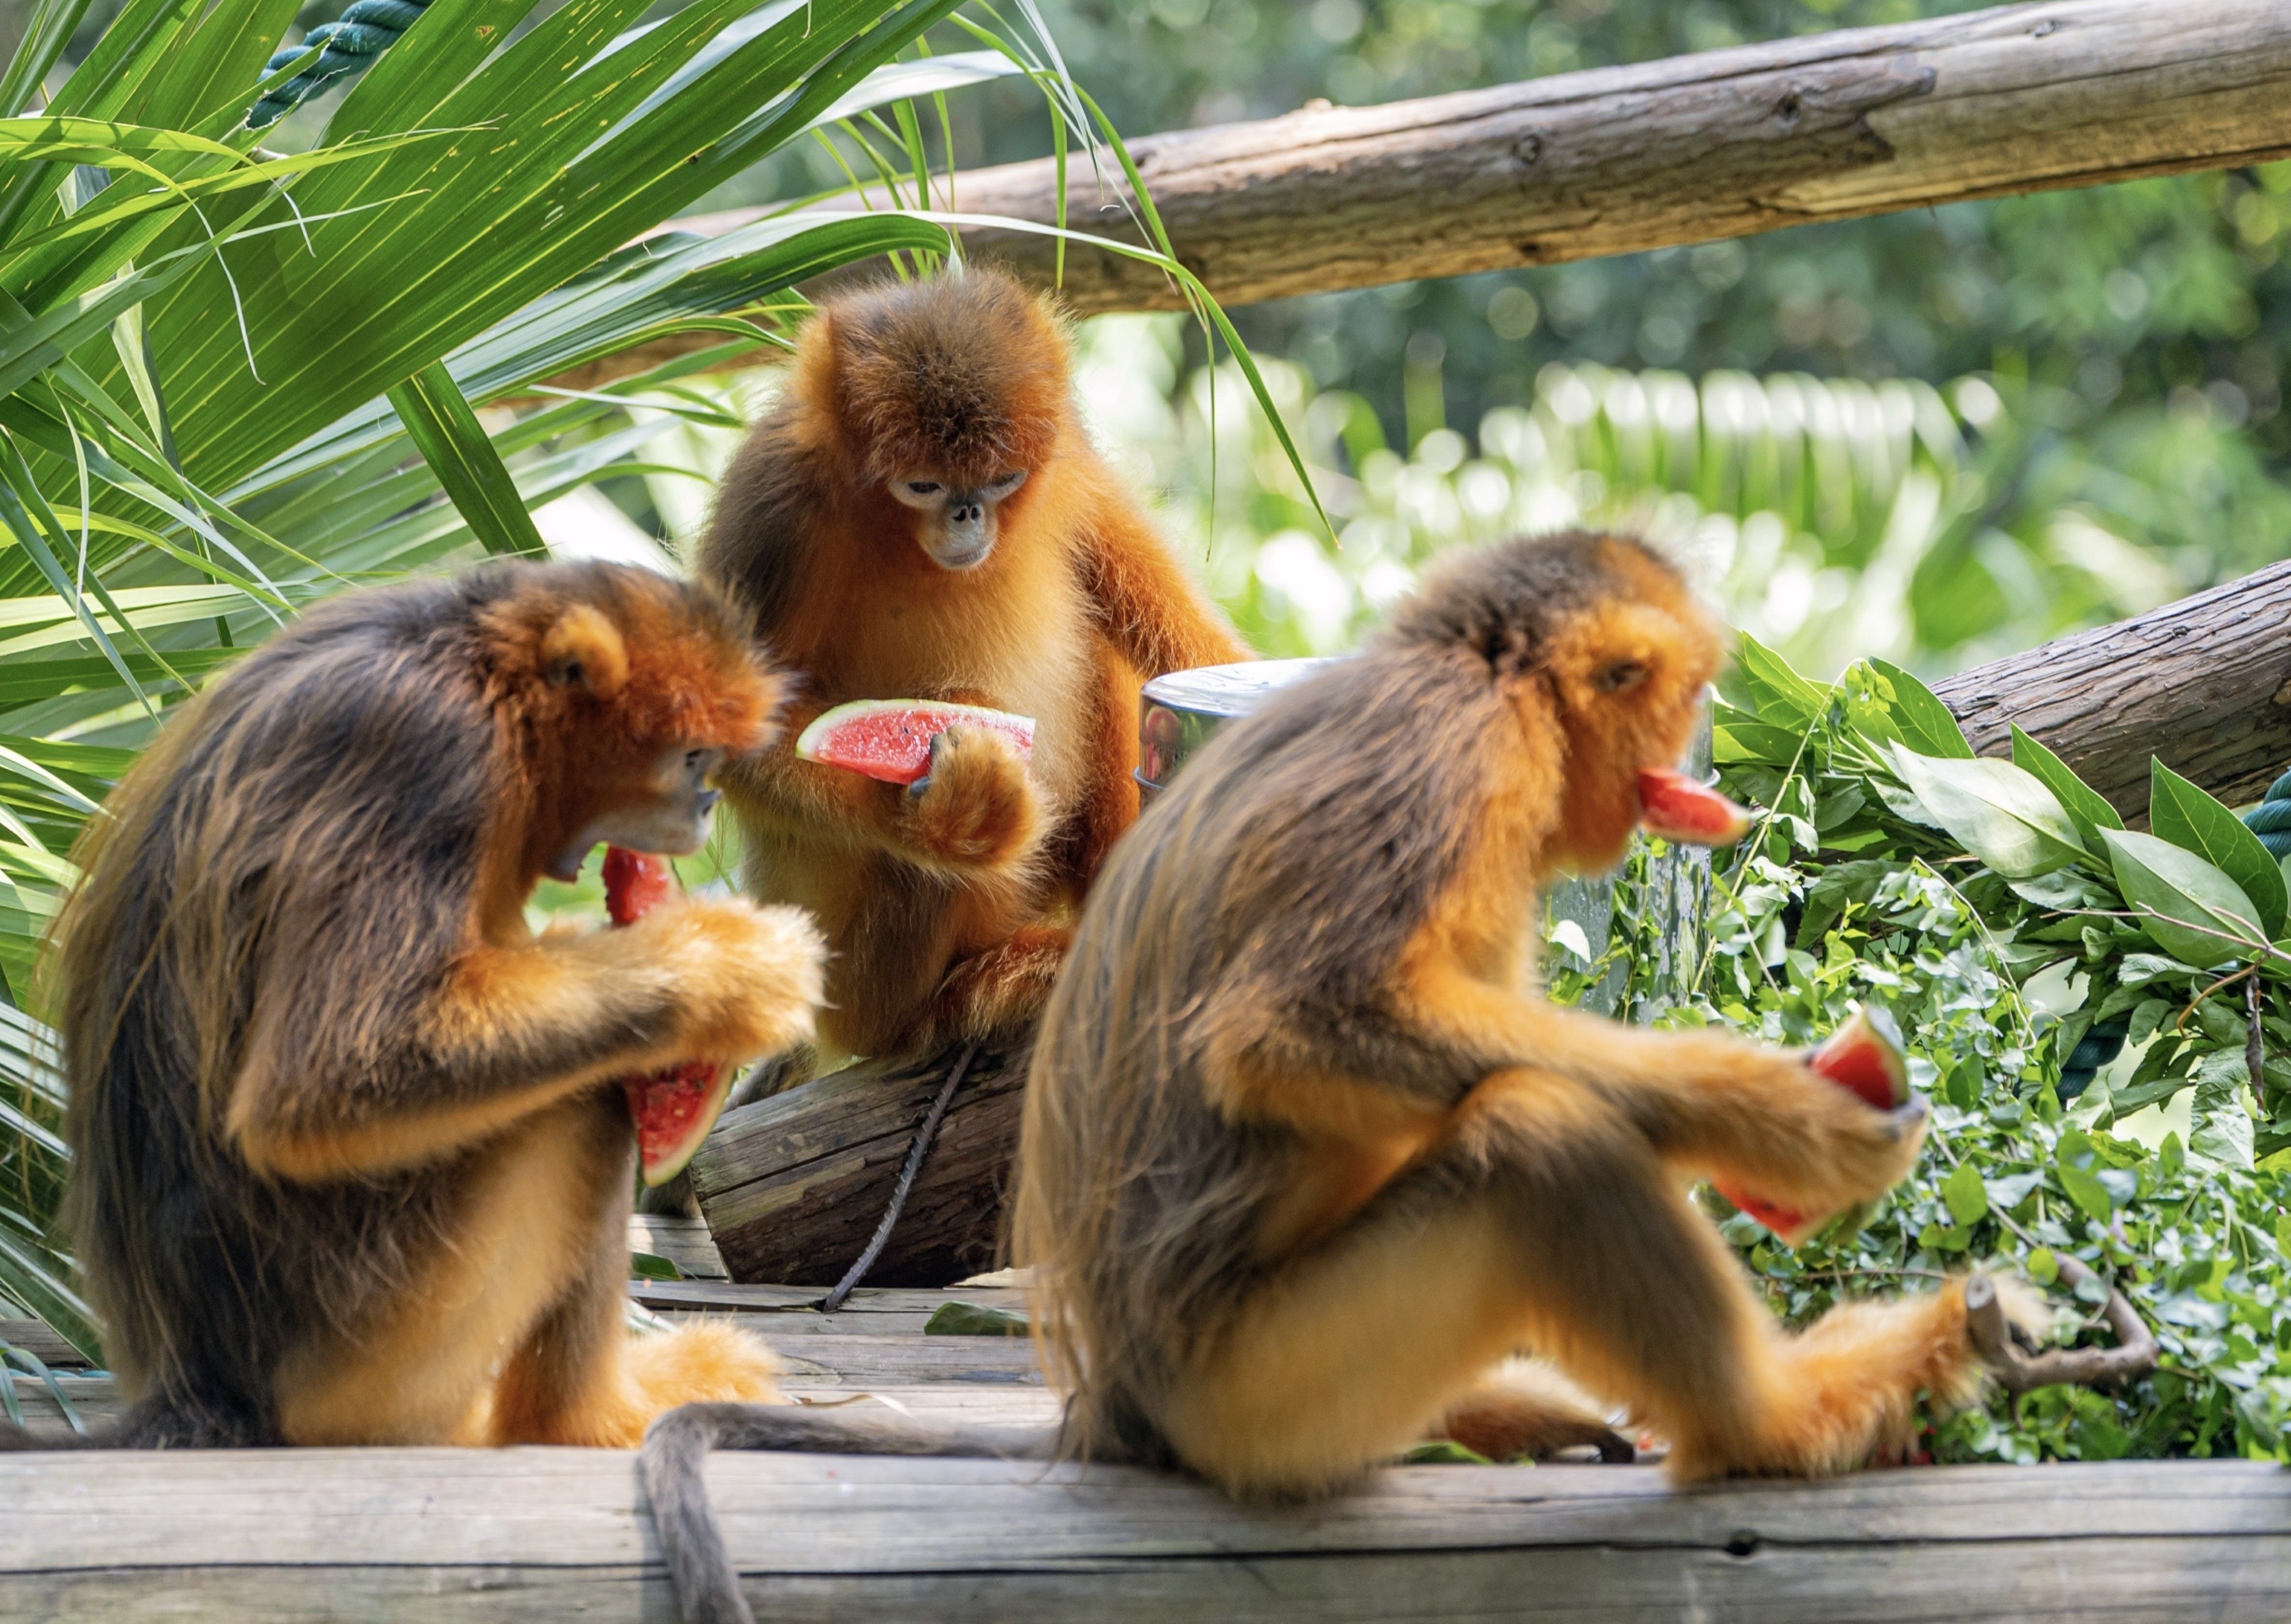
<point x="1178" y="712"/>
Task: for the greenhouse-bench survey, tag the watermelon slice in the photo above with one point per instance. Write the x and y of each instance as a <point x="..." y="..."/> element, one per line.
<point x="1865" y="1058"/>
<point x="674" y="1108"/>
<point x="890" y="739"/>
<point x="1679" y="808"/>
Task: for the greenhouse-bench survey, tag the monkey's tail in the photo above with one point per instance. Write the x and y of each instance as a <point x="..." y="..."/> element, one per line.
<point x="676" y="1449"/>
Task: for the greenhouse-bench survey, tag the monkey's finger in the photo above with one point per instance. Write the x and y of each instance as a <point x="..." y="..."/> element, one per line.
<point x="923" y="784"/>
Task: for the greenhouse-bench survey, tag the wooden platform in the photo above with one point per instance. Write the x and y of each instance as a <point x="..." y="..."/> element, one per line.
<point x="560" y="1534"/>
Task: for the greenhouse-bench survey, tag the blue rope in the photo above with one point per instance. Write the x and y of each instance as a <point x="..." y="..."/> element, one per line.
<point x="2271" y="819"/>
<point x="367" y="30"/>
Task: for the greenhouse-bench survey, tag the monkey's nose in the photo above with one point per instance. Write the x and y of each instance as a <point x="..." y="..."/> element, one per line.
<point x="706" y="802"/>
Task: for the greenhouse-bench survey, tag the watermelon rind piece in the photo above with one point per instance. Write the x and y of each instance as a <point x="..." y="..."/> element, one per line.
<point x="816" y="742"/>
<point x="664" y="1162"/>
<point x="1867" y="1055"/>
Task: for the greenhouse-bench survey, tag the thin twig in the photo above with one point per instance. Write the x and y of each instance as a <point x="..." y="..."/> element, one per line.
<point x="916" y="1152"/>
<point x="2254" y="1047"/>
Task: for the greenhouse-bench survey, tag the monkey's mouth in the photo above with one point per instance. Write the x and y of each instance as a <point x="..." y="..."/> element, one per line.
<point x="960" y="558"/>
<point x="1677" y="807"/>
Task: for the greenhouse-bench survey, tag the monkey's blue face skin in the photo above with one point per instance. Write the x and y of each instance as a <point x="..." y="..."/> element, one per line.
<point x="671" y="821"/>
<point x="957" y="527"/>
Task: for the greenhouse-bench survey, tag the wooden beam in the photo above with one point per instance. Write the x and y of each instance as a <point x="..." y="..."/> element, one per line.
<point x="538" y="1533"/>
<point x="2204" y="683"/>
<point x="1613" y="160"/>
<point x="793" y="1186"/>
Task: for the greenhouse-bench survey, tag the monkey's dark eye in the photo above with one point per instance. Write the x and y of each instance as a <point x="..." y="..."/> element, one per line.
<point x="567" y="673"/>
<point x="923" y="487"/>
<point x="1009" y="481"/>
<point x="692" y="760"/>
<point x="1622" y="674"/>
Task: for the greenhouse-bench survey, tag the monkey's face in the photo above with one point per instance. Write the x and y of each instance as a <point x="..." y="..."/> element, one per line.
<point x="956" y="517"/>
<point x="664" y="809"/>
<point x="1629" y="675"/>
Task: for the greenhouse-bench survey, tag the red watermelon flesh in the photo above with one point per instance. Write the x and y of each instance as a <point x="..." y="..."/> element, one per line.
<point x="890" y="739"/>
<point x="1865" y="1058"/>
<point x="1679" y="808"/>
<point x="674" y="1108"/>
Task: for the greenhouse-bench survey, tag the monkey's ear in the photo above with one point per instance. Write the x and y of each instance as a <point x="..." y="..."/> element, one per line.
<point x="584" y="648"/>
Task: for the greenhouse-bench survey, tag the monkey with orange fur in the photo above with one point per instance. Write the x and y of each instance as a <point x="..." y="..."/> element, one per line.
<point x="1308" y="1158"/>
<point x="922" y="516"/>
<point x="1306" y="1155"/>
<point x="351" y="1166"/>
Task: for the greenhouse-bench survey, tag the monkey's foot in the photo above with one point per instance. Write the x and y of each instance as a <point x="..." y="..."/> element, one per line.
<point x="1003" y="989"/>
<point x="1843" y="1392"/>
<point x="975" y="808"/>
<point x="690" y="1364"/>
<point x="1528" y="1408"/>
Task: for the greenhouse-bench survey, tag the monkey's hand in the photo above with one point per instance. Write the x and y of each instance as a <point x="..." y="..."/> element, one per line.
<point x="747" y="979"/>
<point x="975" y="808"/>
<point x="1795" y="1137"/>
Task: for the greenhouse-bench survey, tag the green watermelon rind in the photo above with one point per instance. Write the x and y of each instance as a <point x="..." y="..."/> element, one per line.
<point x="809" y="743"/>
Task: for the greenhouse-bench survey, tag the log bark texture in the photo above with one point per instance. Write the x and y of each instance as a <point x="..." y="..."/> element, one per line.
<point x="2204" y="683"/>
<point x="1723" y="143"/>
<point x="793" y="1186"/>
<point x="552" y="1534"/>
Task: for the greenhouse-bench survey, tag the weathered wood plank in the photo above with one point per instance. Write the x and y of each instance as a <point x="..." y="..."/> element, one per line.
<point x="2205" y="683"/>
<point x="34" y="1338"/>
<point x="535" y="1533"/>
<point x="683" y="1242"/>
<point x="793" y="1186"/>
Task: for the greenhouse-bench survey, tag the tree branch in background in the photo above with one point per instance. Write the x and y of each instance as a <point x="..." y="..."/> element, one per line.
<point x="2133" y="1355"/>
<point x="1690" y="148"/>
<point x="2204" y="684"/>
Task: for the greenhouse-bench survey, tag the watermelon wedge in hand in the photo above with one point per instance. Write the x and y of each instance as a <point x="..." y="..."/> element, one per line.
<point x="890" y="739"/>
<point x="1865" y="1058"/>
<point x="674" y="1108"/>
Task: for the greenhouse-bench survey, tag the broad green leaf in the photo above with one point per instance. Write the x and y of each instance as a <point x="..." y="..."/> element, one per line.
<point x="1781" y="695"/>
<point x="2181" y="813"/>
<point x="2186" y="905"/>
<point x="2002" y="815"/>
<point x="2086" y="1190"/>
<point x="1928" y="726"/>
<point x="1965" y="1195"/>
<point x="2085" y="805"/>
<point x="441" y="424"/>
<point x="1751" y="741"/>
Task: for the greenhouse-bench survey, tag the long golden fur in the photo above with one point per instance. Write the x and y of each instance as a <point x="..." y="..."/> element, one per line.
<point x="1306" y="1155"/>
<point x="947" y="910"/>
<point x="349" y="1166"/>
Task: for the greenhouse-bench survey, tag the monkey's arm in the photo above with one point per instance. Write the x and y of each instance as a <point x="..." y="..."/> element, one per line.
<point x="346" y="1079"/>
<point x="1707" y="1100"/>
<point x="977" y="811"/>
<point x="1144" y="601"/>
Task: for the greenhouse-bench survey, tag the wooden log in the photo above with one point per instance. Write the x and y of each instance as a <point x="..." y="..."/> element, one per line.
<point x="1613" y="160"/>
<point x="2204" y="683"/>
<point x="793" y="1186"/>
<point x="533" y="1534"/>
